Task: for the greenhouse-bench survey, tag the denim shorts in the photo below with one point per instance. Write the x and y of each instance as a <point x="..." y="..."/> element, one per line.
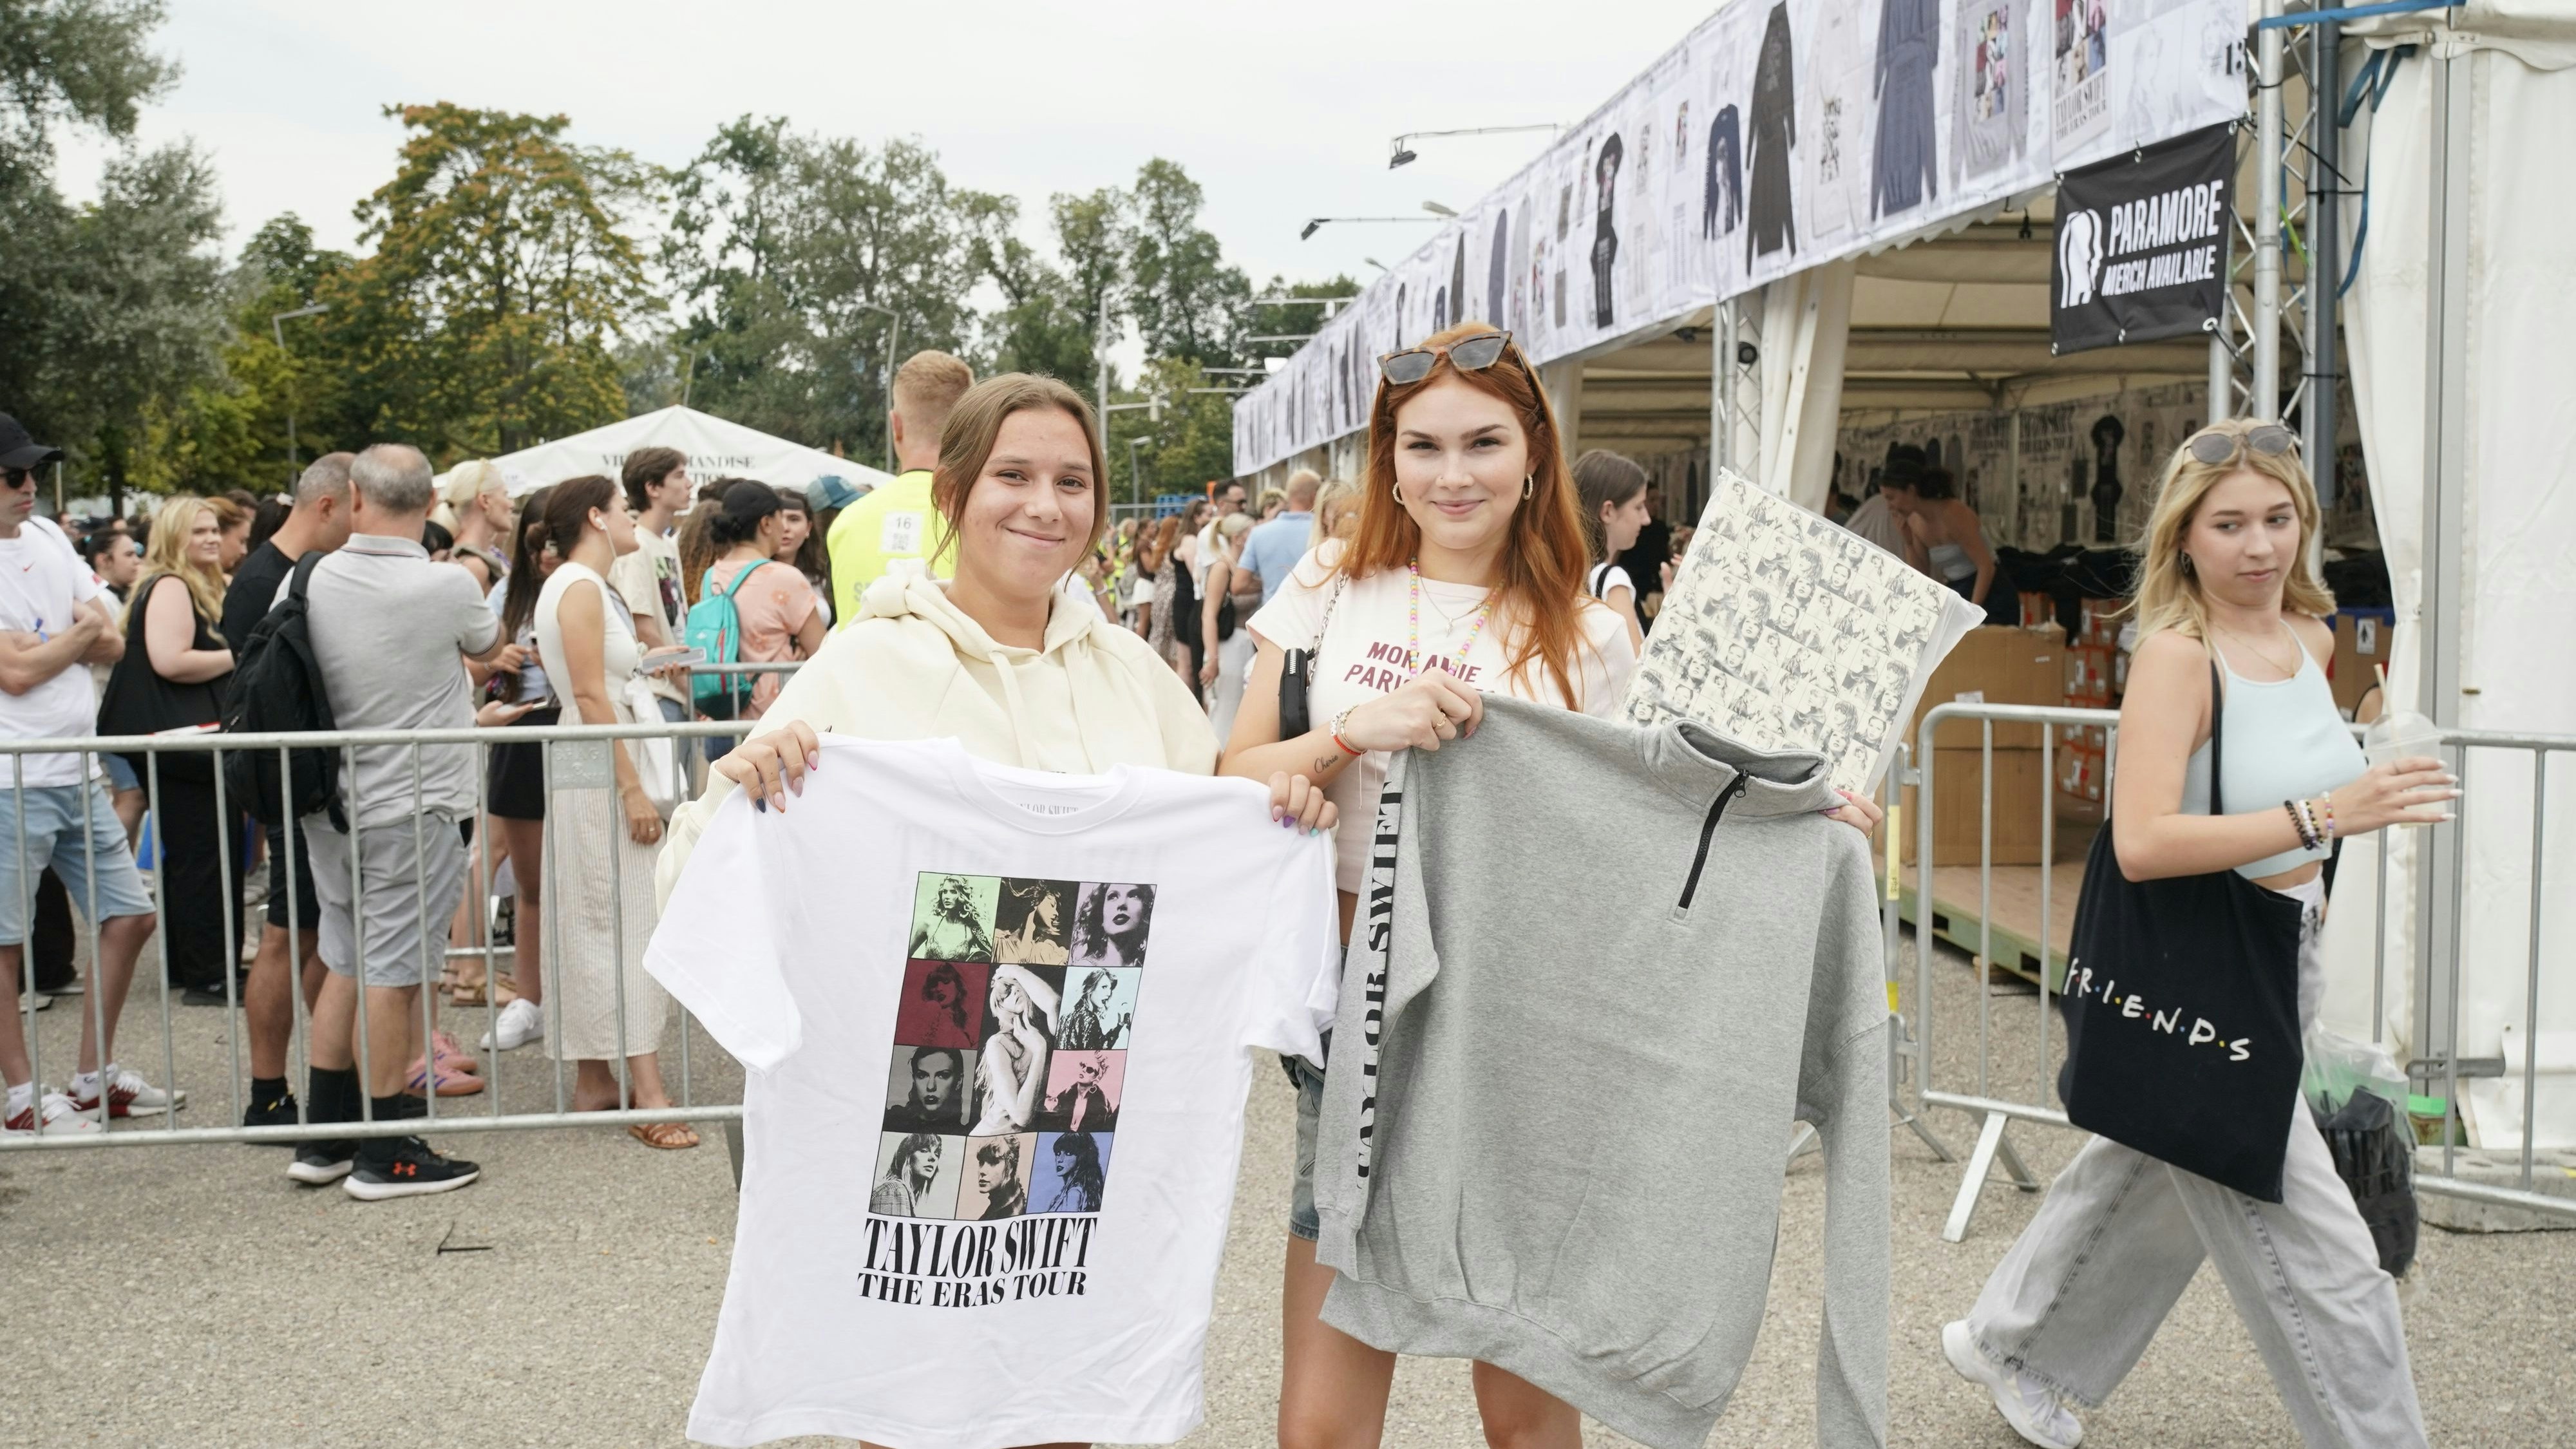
<point x="120" y="775"/>
<point x="56" y="816"/>
<point x="1310" y="1111"/>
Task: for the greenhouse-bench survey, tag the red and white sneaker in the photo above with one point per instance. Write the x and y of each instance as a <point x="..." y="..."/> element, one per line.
<point x="57" y="1112"/>
<point x="128" y="1095"/>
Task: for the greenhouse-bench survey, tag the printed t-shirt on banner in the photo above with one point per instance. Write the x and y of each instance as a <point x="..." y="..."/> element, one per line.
<point x="1366" y="653"/>
<point x="997" y="1023"/>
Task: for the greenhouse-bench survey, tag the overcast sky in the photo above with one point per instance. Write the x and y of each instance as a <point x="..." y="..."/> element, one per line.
<point x="1281" y="111"/>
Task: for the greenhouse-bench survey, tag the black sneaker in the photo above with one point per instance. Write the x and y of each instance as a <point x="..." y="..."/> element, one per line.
<point x="212" y="993"/>
<point x="319" y="1164"/>
<point x="280" y="1113"/>
<point x="413" y="1170"/>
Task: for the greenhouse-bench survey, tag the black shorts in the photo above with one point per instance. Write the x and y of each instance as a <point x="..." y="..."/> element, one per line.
<point x="308" y="906"/>
<point x="514" y="783"/>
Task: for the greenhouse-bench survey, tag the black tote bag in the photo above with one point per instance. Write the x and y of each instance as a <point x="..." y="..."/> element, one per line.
<point x="2182" y="1012"/>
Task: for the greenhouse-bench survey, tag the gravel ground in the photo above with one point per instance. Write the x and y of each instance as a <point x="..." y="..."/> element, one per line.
<point x="193" y="1296"/>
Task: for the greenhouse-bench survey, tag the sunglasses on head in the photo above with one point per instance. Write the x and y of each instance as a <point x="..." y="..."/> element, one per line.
<point x="1467" y="354"/>
<point x="2218" y="447"/>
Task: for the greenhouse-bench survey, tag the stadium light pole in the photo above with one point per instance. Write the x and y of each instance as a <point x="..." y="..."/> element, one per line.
<point x="1320" y="222"/>
<point x="1403" y="155"/>
<point x="277" y="329"/>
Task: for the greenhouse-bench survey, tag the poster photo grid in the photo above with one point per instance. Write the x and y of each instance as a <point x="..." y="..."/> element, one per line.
<point x="1009" y="1059"/>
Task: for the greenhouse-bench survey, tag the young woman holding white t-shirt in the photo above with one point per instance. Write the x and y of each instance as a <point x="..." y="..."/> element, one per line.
<point x="1017" y="488"/>
<point x="1465" y="574"/>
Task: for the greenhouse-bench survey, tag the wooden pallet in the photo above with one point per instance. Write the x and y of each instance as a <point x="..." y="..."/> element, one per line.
<point x="2015" y="925"/>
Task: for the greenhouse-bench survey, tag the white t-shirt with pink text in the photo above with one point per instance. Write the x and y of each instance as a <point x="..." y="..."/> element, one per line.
<point x="1367" y="651"/>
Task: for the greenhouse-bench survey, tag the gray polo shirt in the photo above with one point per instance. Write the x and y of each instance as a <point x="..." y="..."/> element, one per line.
<point x="388" y="626"/>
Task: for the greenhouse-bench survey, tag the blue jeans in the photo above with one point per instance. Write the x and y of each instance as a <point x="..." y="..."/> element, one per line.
<point x="1302" y="1220"/>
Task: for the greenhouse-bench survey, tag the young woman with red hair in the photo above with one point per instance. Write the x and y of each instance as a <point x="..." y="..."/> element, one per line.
<point x="1466" y="574"/>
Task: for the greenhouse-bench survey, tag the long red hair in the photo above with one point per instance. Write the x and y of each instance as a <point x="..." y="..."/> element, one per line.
<point x="1539" y="586"/>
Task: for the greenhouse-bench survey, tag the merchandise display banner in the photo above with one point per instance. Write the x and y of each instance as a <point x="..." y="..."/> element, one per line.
<point x="2142" y="244"/>
<point x="1777" y="135"/>
<point x="1789" y="632"/>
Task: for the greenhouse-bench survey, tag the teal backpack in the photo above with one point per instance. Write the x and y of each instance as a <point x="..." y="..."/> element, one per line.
<point x="715" y="626"/>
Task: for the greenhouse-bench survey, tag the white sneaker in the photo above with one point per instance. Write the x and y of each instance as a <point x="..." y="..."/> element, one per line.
<point x="2033" y="1412"/>
<point x="520" y="1023"/>
<point x="60" y="1116"/>
<point x="128" y="1095"/>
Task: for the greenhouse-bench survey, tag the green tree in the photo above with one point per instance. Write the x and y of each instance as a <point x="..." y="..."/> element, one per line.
<point x="1091" y="236"/>
<point x="806" y="267"/>
<point x="269" y="408"/>
<point x="1038" y="328"/>
<point x="500" y="281"/>
<point x="138" y="311"/>
<point x="1295" y="319"/>
<point x="65" y="64"/>
<point x="1186" y="301"/>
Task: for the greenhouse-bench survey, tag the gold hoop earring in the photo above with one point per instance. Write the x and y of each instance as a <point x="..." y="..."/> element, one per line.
<point x="1528" y="484"/>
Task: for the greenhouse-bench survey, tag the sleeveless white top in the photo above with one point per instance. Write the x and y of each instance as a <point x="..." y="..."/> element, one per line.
<point x="619" y="653"/>
<point x="2285" y="741"/>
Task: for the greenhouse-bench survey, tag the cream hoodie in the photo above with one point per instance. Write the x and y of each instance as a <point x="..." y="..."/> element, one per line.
<point x="913" y="666"/>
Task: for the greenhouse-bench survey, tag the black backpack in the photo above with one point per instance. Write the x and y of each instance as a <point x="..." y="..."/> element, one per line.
<point x="277" y="687"/>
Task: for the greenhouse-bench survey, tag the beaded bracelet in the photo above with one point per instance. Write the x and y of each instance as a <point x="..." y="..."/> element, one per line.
<point x="2298" y="813"/>
<point x="2326" y="820"/>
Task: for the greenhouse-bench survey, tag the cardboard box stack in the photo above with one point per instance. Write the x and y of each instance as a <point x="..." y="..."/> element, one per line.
<point x="1993" y="665"/>
<point x="2095" y="671"/>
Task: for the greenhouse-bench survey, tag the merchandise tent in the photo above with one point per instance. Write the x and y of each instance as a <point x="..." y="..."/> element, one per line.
<point x="715" y="449"/>
<point x="1860" y="197"/>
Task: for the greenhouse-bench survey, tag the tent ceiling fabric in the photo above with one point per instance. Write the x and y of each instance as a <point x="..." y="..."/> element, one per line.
<point x="1949" y="323"/>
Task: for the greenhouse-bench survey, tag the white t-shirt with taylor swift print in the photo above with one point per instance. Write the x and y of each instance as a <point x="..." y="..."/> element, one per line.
<point x="997" y="1023"/>
<point x="1366" y="653"/>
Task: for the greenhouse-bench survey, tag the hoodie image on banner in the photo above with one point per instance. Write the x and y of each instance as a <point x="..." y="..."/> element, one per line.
<point x="985" y="1187"/>
<point x="1587" y="945"/>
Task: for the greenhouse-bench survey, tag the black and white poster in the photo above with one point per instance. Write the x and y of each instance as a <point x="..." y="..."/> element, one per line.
<point x="2142" y="244"/>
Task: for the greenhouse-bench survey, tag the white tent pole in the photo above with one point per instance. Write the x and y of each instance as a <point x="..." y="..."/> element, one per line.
<point x="2445" y="541"/>
<point x="2325" y="201"/>
<point x="2266" y="399"/>
<point x="1721" y="391"/>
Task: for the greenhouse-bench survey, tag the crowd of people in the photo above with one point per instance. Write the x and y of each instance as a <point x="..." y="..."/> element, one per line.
<point x="983" y="596"/>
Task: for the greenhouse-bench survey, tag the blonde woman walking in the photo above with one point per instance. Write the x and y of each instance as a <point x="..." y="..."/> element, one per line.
<point x="2226" y="590"/>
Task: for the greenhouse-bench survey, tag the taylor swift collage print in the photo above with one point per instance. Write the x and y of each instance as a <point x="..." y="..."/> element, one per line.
<point x="1011" y="1035"/>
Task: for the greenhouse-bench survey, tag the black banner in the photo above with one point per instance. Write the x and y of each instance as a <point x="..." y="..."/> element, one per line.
<point x="2141" y="249"/>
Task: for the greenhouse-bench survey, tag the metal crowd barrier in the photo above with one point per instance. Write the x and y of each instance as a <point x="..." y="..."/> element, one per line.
<point x="574" y="758"/>
<point x="2430" y="968"/>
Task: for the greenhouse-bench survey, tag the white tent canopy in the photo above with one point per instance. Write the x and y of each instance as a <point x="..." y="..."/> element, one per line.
<point x="715" y="449"/>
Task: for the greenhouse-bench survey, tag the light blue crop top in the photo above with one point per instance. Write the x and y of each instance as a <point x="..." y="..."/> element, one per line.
<point x="2285" y="741"/>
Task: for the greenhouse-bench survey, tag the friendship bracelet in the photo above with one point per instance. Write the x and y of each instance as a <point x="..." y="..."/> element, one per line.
<point x="2299" y="823"/>
<point x="1335" y="729"/>
<point x="2316" y="837"/>
<point x="2326" y="824"/>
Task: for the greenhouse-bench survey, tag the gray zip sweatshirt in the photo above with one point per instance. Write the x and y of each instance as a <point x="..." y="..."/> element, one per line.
<point x="1599" y="970"/>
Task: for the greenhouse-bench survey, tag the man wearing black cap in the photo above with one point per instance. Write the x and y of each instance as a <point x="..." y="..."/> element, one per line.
<point x="51" y="622"/>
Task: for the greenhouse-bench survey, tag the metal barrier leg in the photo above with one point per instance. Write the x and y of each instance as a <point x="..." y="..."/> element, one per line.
<point x="1906" y="1117"/>
<point x="1981" y="1166"/>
